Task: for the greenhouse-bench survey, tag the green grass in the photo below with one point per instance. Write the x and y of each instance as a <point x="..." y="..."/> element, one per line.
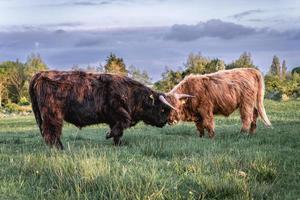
<point x="168" y="163"/>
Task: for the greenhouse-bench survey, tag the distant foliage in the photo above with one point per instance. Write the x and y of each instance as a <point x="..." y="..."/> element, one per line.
<point x="15" y="77"/>
<point x="283" y="70"/>
<point x="12" y="107"/>
<point x="115" y="65"/>
<point x="24" y="102"/>
<point x="275" y="68"/>
<point x="296" y="70"/>
<point x="169" y="79"/>
<point x="138" y="75"/>
<point x="195" y="64"/>
<point x="34" y="64"/>
<point x="244" y="61"/>
<point x="215" y="65"/>
<point x="280" y="84"/>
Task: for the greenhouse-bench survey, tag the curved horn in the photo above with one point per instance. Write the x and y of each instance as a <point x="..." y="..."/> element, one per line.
<point x="179" y="96"/>
<point x="163" y="100"/>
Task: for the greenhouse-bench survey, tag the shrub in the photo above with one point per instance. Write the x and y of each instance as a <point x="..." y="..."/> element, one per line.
<point x="278" y="89"/>
<point x="15" y="108"/>
<point x="24" y="102"/>
<point x="12" y="107"/>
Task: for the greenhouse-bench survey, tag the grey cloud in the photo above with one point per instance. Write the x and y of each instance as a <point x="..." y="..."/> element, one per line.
<point x="85" y="3"/>
<point x="255" y="20"/>
<point x="148" y="48"/>
<point x="89" y="3"/>
<point x="65" y="24"/>
<point x="89" y="42"/>
<point x="211" y="28"/>
<point x="246" y="13"/>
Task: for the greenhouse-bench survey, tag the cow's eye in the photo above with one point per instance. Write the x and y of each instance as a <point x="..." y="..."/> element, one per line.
<point x="162" y="110"/>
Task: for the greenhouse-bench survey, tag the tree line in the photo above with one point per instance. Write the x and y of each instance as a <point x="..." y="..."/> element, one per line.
<point x="279" y="82"/>
<point x="15" y="75"/>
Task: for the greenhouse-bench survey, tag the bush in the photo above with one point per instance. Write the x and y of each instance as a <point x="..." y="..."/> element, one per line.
<point x="24" y="102"/>
<point x="12" y="107"/>
<point x="15" y="108"/>
<point x="278" y="89"/>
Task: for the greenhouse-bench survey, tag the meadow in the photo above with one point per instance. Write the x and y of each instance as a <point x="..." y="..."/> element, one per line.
<point x="168" y="163"/>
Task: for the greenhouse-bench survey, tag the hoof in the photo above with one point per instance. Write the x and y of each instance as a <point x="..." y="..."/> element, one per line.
<point x="117" y="142"/>
<point x="108" y="135"/>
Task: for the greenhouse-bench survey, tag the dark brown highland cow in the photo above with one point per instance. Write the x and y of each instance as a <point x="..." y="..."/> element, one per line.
<point x="219" y="93"/>
<point x="84" y="98"/>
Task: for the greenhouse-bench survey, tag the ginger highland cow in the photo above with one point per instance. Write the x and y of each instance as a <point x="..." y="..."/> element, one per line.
<point x="219" y="93"/>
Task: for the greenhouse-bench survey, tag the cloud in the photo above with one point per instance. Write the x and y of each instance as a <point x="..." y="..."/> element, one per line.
<point x="89" y="3"/>
<point x="152" y="48"/>
<point x="85" y="3"/>
<point x="88" y="42"/>
<point x="212" y="28"/>
<point x="246" y="13"/>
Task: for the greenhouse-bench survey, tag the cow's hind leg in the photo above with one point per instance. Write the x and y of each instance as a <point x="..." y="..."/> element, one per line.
<point x="253" y="123"/>
<point x="51" y="131"/>
<point x="246" y="112"/>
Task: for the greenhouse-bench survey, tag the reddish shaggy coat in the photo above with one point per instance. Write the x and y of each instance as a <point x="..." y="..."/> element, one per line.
<point x="220" y="93"/>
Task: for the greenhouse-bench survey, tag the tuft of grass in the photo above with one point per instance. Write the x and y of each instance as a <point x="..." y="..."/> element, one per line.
<point x="168" y="163"/>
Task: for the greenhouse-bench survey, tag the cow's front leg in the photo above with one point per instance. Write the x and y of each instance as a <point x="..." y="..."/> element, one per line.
<point x="208" y="121"/>
<point x="200" y="127"/>
<point x="209" y="124"/>
<point x="117" y="131"/>
<point x="108" y="133"/>
<point x="123" y="121"/>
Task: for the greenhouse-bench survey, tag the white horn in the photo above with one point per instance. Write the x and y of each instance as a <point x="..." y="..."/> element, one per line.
<point x="179" y="96"/>
<point x="163" y="100"/>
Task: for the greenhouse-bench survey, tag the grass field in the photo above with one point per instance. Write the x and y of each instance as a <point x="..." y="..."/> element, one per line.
<point x="168" y="163"/>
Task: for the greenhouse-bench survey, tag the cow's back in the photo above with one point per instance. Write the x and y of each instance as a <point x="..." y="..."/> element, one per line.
<point x="224" y="90"/>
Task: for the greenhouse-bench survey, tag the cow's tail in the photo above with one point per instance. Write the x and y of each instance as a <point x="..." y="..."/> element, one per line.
<point x="34" y="101"/>
<point x="260" y="100"/>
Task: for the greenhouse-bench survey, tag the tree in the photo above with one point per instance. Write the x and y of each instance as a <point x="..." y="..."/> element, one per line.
<point x="34" y="64"/>
<point x="283" y="70"/>
<point x="138" y="75"/>
<point x="16" y="79"/>
<point x="196" y="63"/>
<point x="214" y="66"/>
<point x="169" y="79"/>
<point x="3" y="83"/>
<point x="244" y="61"/>
<point x="275" y="66"/>
<point x="296" y="70"/>
<point x="115" y="65"/>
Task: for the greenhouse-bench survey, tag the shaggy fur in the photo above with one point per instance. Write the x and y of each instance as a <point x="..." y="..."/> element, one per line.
<point x="220" y="93"/>
<point x="84" y="98"/>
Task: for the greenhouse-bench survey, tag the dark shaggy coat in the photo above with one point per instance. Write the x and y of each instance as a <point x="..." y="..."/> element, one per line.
<point x="85" y="98"/>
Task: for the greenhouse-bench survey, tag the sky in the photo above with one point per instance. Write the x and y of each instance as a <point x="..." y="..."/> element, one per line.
<point x="149" y="34"/>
